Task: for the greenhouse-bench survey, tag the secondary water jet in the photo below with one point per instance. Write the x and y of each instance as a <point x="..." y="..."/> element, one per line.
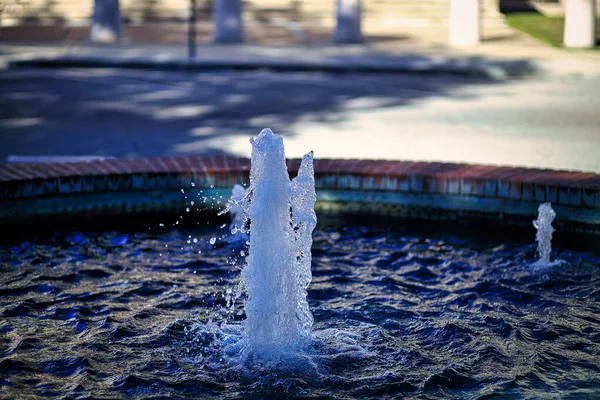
<point x="543" y="224"/>
<point x="278" y="265"/>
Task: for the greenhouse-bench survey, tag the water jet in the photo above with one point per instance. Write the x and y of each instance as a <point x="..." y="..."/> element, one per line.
<point x="278" y="270"/>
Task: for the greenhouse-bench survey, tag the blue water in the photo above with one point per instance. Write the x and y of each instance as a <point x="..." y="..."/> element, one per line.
<point x="122" y="315"/>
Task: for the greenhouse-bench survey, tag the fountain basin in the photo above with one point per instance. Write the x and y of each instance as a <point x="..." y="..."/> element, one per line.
<point x="401" y="311"/>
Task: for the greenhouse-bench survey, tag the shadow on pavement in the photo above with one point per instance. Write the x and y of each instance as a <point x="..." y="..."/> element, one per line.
<point x="131" y="113"/>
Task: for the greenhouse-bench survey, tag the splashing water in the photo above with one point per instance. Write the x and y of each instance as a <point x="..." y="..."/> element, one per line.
<point x="278" y="269"/>
<point x="543" y="224"/>
<point x="238" y="210"/>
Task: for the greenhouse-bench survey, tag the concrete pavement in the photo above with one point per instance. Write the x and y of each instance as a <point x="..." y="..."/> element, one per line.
<point x="508" y="101"/>
<point x="536" y="122"/>
<point x="503" y="53"/>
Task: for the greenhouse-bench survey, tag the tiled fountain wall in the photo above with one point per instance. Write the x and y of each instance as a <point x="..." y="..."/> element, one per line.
<point x="416" y="190"/>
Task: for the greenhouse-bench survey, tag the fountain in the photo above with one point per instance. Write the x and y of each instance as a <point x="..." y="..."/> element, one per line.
<point x="278" y="266"/>
<point x="149" y="310"/>
<point x="543" y="224"/>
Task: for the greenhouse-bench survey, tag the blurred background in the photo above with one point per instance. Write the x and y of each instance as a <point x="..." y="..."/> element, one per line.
<point x="509" y="82"/>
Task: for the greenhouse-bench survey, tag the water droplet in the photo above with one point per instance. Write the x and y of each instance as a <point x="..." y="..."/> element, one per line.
<point x="166" y="245"/>
<point x="189" y="241"/>
<point x="193" y="184"/>
<point x="213" y="240"/>
<point x="161" y="224"/>
<point x="192" y="202"/>
<point x="195" y="240"/>
<point x="187" y="209"/>
<point x="212" y="186"/>
<point x="182" y="191"/>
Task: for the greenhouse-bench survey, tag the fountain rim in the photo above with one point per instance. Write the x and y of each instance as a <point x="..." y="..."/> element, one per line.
<point x="405" y="189"/>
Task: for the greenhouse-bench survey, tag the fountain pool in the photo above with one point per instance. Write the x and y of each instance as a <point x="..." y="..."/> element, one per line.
<point x="398" y="313"/>
<point x="408" y="311"/>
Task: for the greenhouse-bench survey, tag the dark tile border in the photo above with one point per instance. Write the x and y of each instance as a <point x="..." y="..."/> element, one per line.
<point x="574" y="191"/>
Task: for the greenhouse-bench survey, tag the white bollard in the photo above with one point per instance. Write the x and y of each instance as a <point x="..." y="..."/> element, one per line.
<point x="228" y="21"/>
<point x="464" y="22"/>
<point x="580" y="21"/>
<point x="348" y="28"/>
<point x="106" y="21"/>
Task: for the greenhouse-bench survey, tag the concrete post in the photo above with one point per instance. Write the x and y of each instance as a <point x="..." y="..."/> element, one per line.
<point x="580" y="21"/>
<point x="106" y="21"/>
<point x="464" y="23"/>
<point x="348" y="29"/>
<point x="192" y="30"/>
<point x="228" y="21"/>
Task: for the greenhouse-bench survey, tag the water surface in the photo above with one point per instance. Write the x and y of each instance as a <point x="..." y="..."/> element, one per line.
<point x="145" y="315"/>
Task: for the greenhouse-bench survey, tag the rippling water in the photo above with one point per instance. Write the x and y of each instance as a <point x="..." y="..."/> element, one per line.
<point x="117" y="315"/>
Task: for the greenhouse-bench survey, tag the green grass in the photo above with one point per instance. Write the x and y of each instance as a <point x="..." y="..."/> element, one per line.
<point x="541" y="27"/>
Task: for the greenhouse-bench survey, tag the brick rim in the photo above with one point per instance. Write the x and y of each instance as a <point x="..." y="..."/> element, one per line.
<point x="576" y="192"/>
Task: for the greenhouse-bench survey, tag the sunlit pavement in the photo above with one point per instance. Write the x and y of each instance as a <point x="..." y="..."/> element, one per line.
<point x="540" y="121"/>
